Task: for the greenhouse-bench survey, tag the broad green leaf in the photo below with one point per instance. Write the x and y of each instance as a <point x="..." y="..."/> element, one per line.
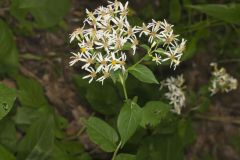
<point x="154" y="112"/>
<point x="128" y="120"/>
<point x="5" y="154"/>
<point x="102" y="98"/>
<point x="7" y="98"/>
<point x="67" y="150"/>
<point x="31" y="93"/>
<point x="143" y="74"/>
<point x="175" y="10"/>
<point x="102" y="134"/>
<point x="8" y="134"/>
<point x="226" y="12"/>
<point x="27" y="115"/>
<point x="38" y="143"/>
<point x="186" y="131"/>
<point x="161" y="147"/>
<point x="124" y="156"/>
<point x="8" y="49"/>
<point x="46" y="13"/>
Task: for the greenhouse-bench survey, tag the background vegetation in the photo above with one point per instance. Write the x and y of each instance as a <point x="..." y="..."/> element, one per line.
<point x="44" y="103"/>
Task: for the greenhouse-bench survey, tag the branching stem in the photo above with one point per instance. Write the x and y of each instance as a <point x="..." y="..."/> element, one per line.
<point x="116" y="151"/>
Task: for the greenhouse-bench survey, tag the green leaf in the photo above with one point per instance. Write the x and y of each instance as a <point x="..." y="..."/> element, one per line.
<point x="7" y="98"/>
<point x="102" y="98"/>
<point x="5" y="154"/>
<point x="186" y="131"/>
<point x="128" y="120"/>
<point x="8" y="49"/>
<point x="124" y="156"/>
<point x="31" y="93"/>
<point x="27" y="115"/>
<point x="161" y="147"/>
<point x="143" y="74"/>
<point x="102" y="134"/>
<point x="175" y="10"/>
<point x="38" y="143"/>
<point x="146" y="47"/>
<point x="46" y="13"/>
<point x="226" y="12"/>
<point x="154" y="112"/>
<point x="8" y="134"/>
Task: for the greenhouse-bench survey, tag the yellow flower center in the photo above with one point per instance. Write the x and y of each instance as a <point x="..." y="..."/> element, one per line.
<point x="114" y="62"/>
<point x="93" y="74"/>
<point x="83" y="50"/>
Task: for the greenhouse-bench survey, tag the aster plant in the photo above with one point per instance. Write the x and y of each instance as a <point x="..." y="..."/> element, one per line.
<point x="107" y="41"/>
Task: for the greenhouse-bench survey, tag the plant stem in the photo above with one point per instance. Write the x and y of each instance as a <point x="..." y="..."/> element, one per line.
<point x="116" y="151"/>
<point x="122" y="79"/>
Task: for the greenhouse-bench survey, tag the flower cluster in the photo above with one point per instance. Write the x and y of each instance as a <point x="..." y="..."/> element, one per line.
<point x="105" y="34"/>
<point x="221" y="80"/>
<point x="175" y="92"/>
<point x="102" y="43"/>
<point x="160" y="34"/>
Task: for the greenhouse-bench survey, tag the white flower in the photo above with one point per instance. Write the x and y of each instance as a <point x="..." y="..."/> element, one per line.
<point x="175" y="93"/>
<point x="157" y="58"/>
<point x="77" y="34"/>
<point x="76" y="57"/>
<point x="103" y="61"/>
<point x="92" y="74"/>
<point x="143" y="30"/>
<point x="123" y="9"/>
<point x="169" y="38"/>
<point x="88" y="59"/>
<point x="106" y="74"/>
<point x="221" y="81"/>
<point x="167" y="28"/>
<point x="114" y="65"/>
<point x="173" y="56"/>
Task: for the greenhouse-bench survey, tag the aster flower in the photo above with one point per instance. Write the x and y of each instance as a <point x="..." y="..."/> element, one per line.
<point x="173" y="56"/>
<point x="75" y="58"/>
<point x="175" y="93"/>
<point x="105" y="74"/>
<point x="157" y="58"/>
<point x="103" y="61"/>
<point x="221" y="81"/>
<point x="92" y="74"/>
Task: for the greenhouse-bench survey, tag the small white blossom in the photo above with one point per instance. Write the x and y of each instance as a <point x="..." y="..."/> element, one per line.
<point x="221" y="81"/>
<point x="92" y="74"/>
<point x="175" y="92"/>
<point x="157" y="58"/>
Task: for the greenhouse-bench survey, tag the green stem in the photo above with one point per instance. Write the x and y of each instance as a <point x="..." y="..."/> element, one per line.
<point x="148" y="54"/>
<point x="116" y="151"/>
<point x="122" y="79"/>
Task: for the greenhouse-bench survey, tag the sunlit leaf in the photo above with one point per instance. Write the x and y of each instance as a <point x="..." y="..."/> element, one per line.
<point x="154" y="112"/>
<point x="102" y="134"/>
<point x="128" y="120"/>
<point x="143" y="74"/>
